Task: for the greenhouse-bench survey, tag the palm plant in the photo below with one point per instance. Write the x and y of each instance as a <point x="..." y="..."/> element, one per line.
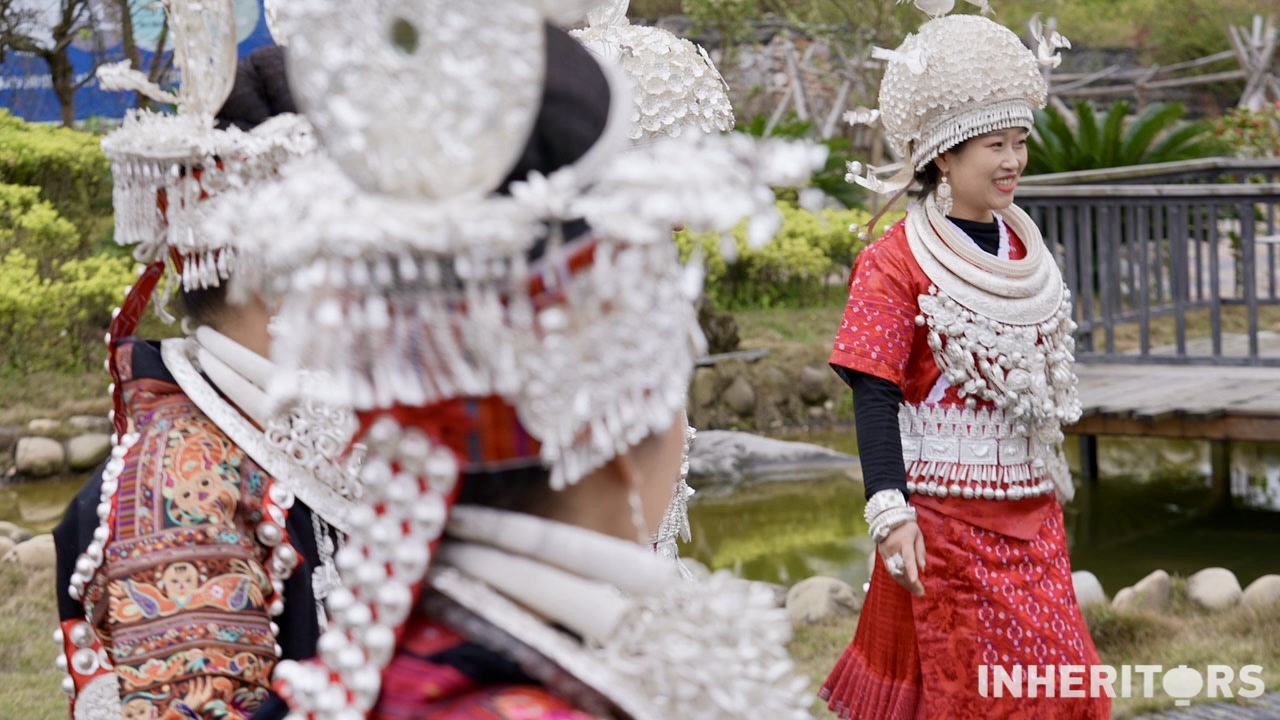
<point x="1158" y="134"/>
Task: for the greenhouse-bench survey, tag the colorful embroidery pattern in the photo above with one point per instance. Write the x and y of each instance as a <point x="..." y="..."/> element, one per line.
<point x="182" y="594"/>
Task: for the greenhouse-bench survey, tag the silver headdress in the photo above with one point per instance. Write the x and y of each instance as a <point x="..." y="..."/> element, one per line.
<point x="369" y="278"/>
<point x="676" y="85"/>
<point x="957" y="77"/>
<point x="164" y="165"/>
<point x="414" y="286"/>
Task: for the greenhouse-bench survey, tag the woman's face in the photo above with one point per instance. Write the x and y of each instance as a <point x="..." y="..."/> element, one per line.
<point x="984" y="172"/>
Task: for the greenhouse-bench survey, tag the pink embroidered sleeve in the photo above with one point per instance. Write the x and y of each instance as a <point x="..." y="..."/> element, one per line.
<point x="878" y="327"/>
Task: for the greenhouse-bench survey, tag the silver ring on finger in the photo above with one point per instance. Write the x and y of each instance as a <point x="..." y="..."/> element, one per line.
<point x="895" y="564"/>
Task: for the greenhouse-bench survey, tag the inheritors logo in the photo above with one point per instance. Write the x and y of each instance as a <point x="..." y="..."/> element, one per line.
<point x="1078" y="681"/>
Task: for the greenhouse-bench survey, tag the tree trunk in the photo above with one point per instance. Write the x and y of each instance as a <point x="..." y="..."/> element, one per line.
<point x="64" y="83"/>
<point x="160" y="61"/>
<point x="128" y="43"/>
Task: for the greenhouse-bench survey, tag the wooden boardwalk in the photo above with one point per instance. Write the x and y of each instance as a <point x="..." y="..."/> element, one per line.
<point x="1179" y="401"/>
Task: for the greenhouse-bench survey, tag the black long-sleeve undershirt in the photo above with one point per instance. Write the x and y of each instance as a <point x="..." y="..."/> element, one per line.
<point x="876" y="401"/>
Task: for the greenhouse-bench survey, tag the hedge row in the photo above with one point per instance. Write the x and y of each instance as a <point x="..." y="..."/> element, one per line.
<point x="806" y="263"/>
<point x="57" y="288"/>
<point x="67" y="166"/>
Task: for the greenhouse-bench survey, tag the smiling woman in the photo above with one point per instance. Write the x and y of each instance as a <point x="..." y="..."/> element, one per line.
<point x="981" y="174"/>
<point x="957" y="343"/>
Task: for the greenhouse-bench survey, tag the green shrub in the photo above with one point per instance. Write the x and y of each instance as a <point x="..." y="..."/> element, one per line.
<point x="67" y="165"/>
<point x="54" y="305"/>
<point x="57" y="323"/>
<point x="805" y="264"/>
<point x="1250" y="134"/>
<point x="33" y="226"/>
<point x="1089" y="142"/>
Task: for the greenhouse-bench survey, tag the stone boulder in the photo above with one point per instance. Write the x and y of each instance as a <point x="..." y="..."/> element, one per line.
<point x="740" y="397"/>
<point x="1088" y="589"/>
<point x="90" y="423"/>
<point x="821" y="598"/>
<point x="39" y="456"/>
<point x="1262" y="593"/>
<point x="1151" y="594"/>
<point x="814" y="385"/>
<point x="727" y="457"/>
<point x="43" y="426"/>
<point x="1214" y="589"/>
<point x="86" y="451"/>
<point x="773" y="376"/>
<point x="35" y="554"/>
<point x="703" y="390"/>
<point x="16" y="533"/>
<point x="719" y="328"/>
<point x="9" y="435"/>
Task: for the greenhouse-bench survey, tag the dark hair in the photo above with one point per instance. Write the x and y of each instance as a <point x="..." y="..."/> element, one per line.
<point x="205" y="304"/>
<point x="930" y="176"/>
<point x="574" y="110"/>
<point x="572" y="118"/>
<point x="524" y="489"/>
<point x="261" y="91"/>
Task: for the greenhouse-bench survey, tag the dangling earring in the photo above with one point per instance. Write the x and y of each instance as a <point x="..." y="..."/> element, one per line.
<point x="943" y="196"/>
<point x="643" y="536"/>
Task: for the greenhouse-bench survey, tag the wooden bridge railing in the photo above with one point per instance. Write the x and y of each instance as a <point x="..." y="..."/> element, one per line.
<point x="1171" y="263"/>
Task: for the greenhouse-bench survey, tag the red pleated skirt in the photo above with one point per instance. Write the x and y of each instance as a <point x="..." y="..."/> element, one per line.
<point x="998" y="592"/>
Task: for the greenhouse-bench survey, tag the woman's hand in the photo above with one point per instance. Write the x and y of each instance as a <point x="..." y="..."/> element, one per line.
<point x="906" y="542"/>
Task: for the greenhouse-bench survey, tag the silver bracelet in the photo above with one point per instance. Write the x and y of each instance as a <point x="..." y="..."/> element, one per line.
<point x="885" y="511"/>
<point x="881" y="501"/>
<point x="889" y="520"/>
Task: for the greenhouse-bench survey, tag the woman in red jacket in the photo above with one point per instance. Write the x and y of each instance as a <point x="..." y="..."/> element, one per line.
<point x="957" y="342"/>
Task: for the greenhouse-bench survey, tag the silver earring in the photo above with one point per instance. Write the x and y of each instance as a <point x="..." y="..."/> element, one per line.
<point x="943" y="196"/>
<point x="636" y="504"/>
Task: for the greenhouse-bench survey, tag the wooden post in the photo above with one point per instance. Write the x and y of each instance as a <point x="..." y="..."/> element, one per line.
<point x="837" y="110"/>
<point x="1089" y="459"/>
<point x="1220" y="501"/>
<point x="1255" y="47"/>
<point x="1088" y="507"/>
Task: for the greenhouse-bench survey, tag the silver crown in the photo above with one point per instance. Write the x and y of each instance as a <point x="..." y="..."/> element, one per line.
<point x="958" y="77"/>
<point x="675" y="84"/>
<point x="183" y="157"/>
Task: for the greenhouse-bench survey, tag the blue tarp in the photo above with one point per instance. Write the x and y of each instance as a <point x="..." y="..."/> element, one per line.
<point x="26" y="88"/>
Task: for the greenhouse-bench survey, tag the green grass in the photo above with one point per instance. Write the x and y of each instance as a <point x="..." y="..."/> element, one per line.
<point x="781" y="327"/>
<point x="60" y="394"/>
<point x="1235" y="320"/>
<point x="49" y="394"/>
<point x="30" y="685"/>
<point x="1186" y="635"/>
<point x="815" y="649"/>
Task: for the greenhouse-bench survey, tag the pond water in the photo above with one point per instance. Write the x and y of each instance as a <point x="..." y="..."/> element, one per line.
<point x="38" y="506"/>
<point x="1121" y="529"/>
<point x="1152" y="516"/>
